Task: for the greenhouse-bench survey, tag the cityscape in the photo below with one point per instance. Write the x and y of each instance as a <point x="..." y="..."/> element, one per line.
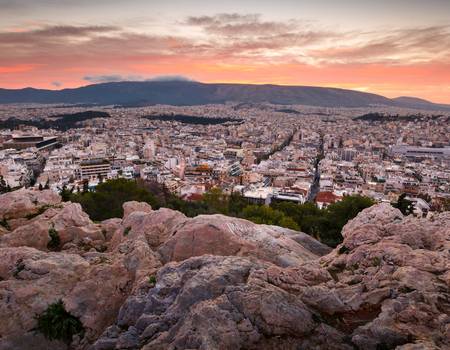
<point x="235" y="175"/>
<point x="264" y="152"/>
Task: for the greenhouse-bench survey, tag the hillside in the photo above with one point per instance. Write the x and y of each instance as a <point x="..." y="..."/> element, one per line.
<point x="194" y="93"/>
<point x="156" y="279"/>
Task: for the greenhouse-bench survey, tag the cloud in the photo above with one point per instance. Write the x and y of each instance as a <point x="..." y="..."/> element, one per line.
<point x="392" y="47"/>
<point x="112" y="78"/>
<point x="118" y="77"/>
<point x="225" y="47"/>
<point x="235" y="24"/>
<point x="169" y="78"/>
<point x="231" y="37"/>
<point x="53" y="34"/>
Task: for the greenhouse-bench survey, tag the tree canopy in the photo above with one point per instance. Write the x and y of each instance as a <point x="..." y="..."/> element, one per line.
<point x="325" y="224"/>
<point x="107" y="199"/>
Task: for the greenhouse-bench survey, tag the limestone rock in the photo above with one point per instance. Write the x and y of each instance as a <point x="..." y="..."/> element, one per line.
<point x="26" y="202"/>
<point x="69" y="222"/>
<point x="222" y="283"/>
<point x="155" y="227"/>
<point x="133" y="206"/>
<point x="222" y="235"/>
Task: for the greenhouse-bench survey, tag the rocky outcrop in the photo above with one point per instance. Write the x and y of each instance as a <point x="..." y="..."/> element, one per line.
<point x="68" y="222"/>
<point x="92" y="285"/>
<point x="214" y="302"/>
<point x="155" y="227"/>
<point x="24" y="203"/>
<point x="386" y="287"/>
<point x="156" y="279"/>
<point x="222" y="235"/>
<point x="133" y="206"/>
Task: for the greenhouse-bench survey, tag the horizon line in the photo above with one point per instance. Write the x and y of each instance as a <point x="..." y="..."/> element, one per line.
<point x="187" y="80"/>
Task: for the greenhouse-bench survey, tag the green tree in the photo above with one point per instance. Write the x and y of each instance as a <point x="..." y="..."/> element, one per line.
<point x="305" y="215"/>
<point x="337" y="215"/>
<point x="236" y="204"/>
<point x="261" y="214"/>
<point x="65" y="194"/>
<point x="446" y="204"/>
<point x="404" y="205"/>
<point x="108" y="197"/>
<point x="216" y="201"/>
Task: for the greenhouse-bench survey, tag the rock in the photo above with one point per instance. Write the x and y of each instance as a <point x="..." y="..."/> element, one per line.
<point x="24" y="203"/>
<point x="224" y="283"/>
<point x="385" y="290"/>
<point x="93" y="286"/>
<point x="222" y="235"/>
<point x="154" y="227"/>
<point x="69" y="222"/>
<point x="133" y="206"/>
<point x="215" y="302"/>
<point x="109" y="227"/>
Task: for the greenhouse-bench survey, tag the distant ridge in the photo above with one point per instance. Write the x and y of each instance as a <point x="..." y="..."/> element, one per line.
<point x="195" y="93"/>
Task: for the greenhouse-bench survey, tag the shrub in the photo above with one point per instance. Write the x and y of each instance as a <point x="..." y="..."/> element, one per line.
<point x="55" y="241"/>
<point x="56" y="323"/>
<point x="152" y="280"/>
<point x="5" y="224"/>
<point x="127" y="230"/>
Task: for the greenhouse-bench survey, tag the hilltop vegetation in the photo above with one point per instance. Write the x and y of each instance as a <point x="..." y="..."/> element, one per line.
<point x="191" y="119"/>
<point x="325" y="225"/>
<point x="379" y="117"/>
<point x="62" y="122"/>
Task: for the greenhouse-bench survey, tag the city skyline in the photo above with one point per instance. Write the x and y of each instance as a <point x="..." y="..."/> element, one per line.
<point x="392" y="49"/>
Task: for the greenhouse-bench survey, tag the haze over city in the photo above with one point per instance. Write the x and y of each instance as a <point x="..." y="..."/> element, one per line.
<point x="392" y="48"/>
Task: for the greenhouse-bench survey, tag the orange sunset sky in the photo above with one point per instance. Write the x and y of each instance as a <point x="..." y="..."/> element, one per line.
<point x="394" y="48"/>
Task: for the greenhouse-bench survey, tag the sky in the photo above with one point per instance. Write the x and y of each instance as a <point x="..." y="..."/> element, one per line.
<point x="389" y="47"/>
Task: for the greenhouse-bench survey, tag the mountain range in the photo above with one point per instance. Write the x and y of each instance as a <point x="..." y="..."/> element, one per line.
<point x="195" y="93"/>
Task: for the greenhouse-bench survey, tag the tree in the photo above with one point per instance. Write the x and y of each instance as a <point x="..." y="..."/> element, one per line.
<point x="305" y="215"/>
<point x="236" y="204"/>
<point x="65" y="194"/>
<point x="261" y="214"/>
<point x="446" y="204"/>
<point x="216" y="201"/>
<point x="404" y="205"/>
<point x="108" y="197"/>
<point x="85" y="186"/>
<point x="337" y="215"/>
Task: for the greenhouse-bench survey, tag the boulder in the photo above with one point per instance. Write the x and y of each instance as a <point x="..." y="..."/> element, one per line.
<point x="109" y="227"/>
<point x="92" y="286"/>
<point x="222" y="235"/>
<point x="155" y="226"/>
<point x="388" y="290"/>
<point x="224" y="283"/>
<point x="68" y="221"/>
<point x="216" y="302"/>
<point x="133" y="206"/>
<point x="25" y="203"/>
